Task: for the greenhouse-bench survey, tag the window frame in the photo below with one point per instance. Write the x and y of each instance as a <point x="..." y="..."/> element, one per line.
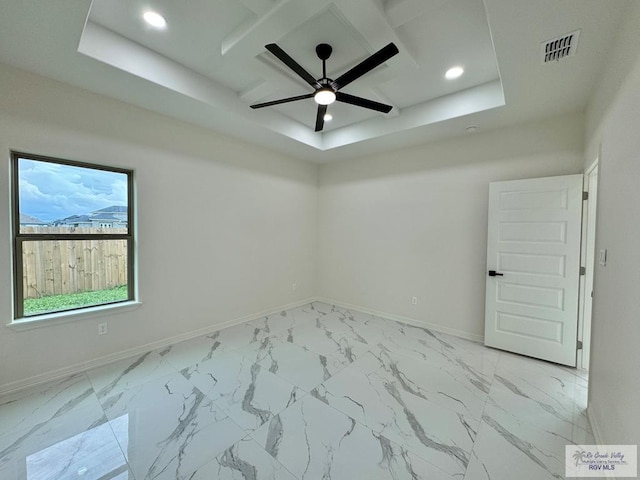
<point x="19" y="238"/>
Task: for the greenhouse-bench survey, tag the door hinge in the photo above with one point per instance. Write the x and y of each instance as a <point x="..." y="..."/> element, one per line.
<point x="585" y="195"/>
<point x="583" y="270"/>
<point x="579" y="344"/>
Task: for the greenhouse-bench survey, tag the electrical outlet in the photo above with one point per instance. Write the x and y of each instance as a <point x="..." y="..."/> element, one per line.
<point x="414" y="300"/>
<point x="102" y="329"/>
<point x="294" y="287"/>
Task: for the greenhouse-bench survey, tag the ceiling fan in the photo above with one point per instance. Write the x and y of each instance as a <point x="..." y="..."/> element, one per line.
<point x="326" y="90"/>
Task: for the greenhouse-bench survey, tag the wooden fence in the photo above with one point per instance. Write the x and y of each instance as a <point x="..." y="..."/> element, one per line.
<point x="55" y="267"/>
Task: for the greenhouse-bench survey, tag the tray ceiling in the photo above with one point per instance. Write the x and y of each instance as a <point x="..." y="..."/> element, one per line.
<point x="222" y="43"/>
<point x="209" y="64"/>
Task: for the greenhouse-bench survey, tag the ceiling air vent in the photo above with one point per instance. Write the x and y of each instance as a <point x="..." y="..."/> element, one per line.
<point x="559" y="48"/>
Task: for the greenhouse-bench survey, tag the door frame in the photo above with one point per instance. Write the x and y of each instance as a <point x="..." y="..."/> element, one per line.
<point x="588" y="255"/>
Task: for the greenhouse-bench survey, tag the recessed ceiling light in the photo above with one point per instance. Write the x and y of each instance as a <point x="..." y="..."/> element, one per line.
<point x="454" y="72"/>
<point x="154" y="19"/>
<point x="328" y="117"/>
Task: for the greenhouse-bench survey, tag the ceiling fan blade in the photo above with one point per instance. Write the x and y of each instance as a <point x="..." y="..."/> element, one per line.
<point x="282" y="100"/>
<point x="362" y="102"/>
<point x="322" y="109"/>
<point x="292" y="64"/>
<point x="366" y="66"/>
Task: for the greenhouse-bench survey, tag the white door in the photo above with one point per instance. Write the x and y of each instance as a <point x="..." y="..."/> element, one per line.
<point x="533" y="267"/>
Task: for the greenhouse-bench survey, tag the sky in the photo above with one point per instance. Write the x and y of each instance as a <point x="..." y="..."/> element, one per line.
<point x="50" y="191"/>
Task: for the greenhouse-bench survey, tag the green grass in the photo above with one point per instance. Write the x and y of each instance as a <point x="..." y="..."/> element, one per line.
<point x="55" y="303"/>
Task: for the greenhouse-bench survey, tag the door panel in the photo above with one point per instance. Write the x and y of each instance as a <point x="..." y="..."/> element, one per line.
<point x="551" y="232"/>
<point x="530" y="296"/>
<point x="530" y="326"/>
<point x="531" y="264"/>
<point x="534" y="242"/>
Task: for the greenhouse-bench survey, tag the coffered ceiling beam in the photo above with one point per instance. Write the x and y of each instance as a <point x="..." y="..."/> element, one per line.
<point x="249" y="39"/>
<point x="370" y="21"/>
<point x="399" y="12"/>
<point x="256" y="92"/>
<point x="259" y="7"/>
<point x="373" y="27"/>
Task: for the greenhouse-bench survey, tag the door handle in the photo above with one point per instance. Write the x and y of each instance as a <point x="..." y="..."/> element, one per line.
<point x="493" y="273"/>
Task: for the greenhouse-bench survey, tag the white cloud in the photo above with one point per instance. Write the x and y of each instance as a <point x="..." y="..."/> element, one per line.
<point x="51" y="191"/>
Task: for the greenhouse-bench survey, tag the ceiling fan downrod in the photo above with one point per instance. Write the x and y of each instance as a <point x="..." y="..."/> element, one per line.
<point x="323" y="50"/>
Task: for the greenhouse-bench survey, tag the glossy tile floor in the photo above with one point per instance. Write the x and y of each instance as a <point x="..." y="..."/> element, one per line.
<point x="316" y="392"/>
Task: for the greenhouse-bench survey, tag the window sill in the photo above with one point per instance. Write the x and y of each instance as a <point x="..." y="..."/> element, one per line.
<point x="72" y="316"/>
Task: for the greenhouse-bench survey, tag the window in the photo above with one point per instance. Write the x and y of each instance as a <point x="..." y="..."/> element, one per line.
<point x="73" y="244"/>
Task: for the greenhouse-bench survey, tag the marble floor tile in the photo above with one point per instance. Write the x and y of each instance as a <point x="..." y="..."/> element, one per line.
<point x="310" y="329"/>
<point x="189" y="352"/>
<point x="119" y="376"/>
<point x="168" y="428"/>
<point x="205" y="375"/>
<point x="200" y="349"/>
<point x="72" y="438"/>
<point x="237" y="338"/>
<point x="502" y="449"/>
<point x="452" y="387"/>
<point x="339" y="320"/>
<point x="311" y="311"/>
<point x="373" y="329"/>
<point x="245" y="460"/>
<point x="442" y="349"/>
<point x="314" y="392"/>
<point x="519" y="363"/>
<point x="247" y="391"/>
<point x="278" y="325"/>
<point x="93" y="454"/>
<point x="509" y="403"/>
<point x="439" y="435"/>
<point x="31" y="409"/>
<point x="341" y="345"/>
<point x="303" y="368"/>
<point x="544" y="380"/>
<point x="361" y="326"/>
<point x="314" y="441"/>
<point x="547" y="396"/>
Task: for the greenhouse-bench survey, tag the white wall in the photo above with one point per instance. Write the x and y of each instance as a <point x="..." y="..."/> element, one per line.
<point x="613" y="135"/>
<point x="414" y="222"/>
<point x="224" y="228"/>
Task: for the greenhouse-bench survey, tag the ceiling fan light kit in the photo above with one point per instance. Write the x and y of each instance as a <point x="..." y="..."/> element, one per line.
<point x="326" y="90"/>
<point x="324" y="96"/>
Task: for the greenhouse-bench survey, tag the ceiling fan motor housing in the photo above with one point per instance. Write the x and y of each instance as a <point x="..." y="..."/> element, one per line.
<point x="326" y="83"/>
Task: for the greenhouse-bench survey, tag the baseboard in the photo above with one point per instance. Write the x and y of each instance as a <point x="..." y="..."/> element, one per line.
<point x="60" y="373"/>
<point x="410" y="321"/>
<point x="597" y="433"/>
<point x="595" y="428"/>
